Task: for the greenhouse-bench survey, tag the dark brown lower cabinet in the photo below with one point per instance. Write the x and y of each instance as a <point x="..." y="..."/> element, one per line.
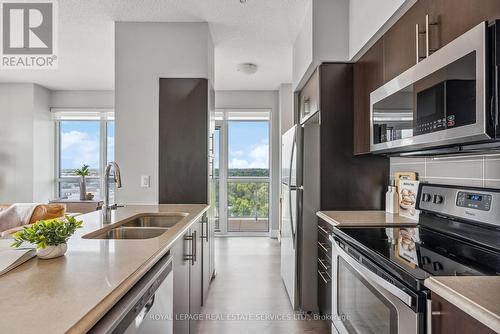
<point x="449" y="319"/>
<point x="325" y="280"/>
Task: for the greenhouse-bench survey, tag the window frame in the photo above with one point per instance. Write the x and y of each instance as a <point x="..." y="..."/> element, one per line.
<point x="223" y="117"/>
<point x="103" y="116"/>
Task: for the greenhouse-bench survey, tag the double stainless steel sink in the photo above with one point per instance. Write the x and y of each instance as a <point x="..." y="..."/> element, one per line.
<point x="145" y="226"/>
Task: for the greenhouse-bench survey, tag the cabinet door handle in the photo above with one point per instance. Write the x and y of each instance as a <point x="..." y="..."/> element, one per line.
<point x="321" y="274"/>
<point x="194" y="250"/>
<point x="307" y="105"/>
<point x="189" y="257"/>
<point x="417" y="43"/>
<point x="204" y="221"/>
<point x="428" y="24"/>
<point x="207" y="228"/>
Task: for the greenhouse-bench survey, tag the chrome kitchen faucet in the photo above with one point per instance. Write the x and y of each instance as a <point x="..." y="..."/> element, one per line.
<point x="106" y="208"/>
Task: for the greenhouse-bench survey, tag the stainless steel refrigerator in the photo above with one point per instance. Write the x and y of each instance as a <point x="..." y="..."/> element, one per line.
<point x="290" y="189"/>
<point x="299" y="203"/>
<point x="320" y="172"/>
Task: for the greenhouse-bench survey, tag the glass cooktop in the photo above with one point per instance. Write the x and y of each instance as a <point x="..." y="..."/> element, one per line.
<point x="421" y="252"/>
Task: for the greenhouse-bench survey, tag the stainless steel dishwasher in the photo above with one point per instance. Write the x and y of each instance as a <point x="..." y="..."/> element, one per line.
<point x="146" y="308"/>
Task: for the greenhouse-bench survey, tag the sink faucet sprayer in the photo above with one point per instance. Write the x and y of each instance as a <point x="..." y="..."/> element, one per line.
<point x="106" y="208"/>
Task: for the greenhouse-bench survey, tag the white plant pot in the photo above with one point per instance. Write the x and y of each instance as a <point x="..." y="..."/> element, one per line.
<point x="51" y="252"/>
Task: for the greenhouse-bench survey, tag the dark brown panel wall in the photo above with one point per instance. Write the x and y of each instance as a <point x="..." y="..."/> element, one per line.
<point x="183" y="141"/>
<point x="348" y="182"/>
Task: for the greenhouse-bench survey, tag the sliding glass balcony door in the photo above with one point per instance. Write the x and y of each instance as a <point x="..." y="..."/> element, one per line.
<point x="244" y="186"/>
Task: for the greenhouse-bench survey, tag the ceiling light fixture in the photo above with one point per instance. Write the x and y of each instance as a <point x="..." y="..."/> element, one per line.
<point x="243" y="1"/>
<point x="247" y="68"/>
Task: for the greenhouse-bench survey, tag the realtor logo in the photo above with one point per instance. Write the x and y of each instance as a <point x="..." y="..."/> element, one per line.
<point x="28" y="35"/>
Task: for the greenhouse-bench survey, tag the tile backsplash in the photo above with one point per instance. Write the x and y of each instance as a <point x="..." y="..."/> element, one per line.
<point x="478" y="171"/>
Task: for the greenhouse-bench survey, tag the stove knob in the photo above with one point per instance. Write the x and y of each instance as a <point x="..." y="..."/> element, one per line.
<point x="426" y="197"/>
<point x="438" y="199"/>
<point x="437" y="266"/>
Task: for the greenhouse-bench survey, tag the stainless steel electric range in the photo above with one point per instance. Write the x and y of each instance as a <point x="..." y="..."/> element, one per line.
<point x="379" y="273"/>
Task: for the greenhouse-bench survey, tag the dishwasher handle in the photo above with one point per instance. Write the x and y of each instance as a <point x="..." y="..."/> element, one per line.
<point x="145" y="310"/>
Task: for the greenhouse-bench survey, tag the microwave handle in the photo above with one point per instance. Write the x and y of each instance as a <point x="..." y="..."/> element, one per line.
<point x="374" y="278"/>
<point x="495" y="104"/>
<point x="496" y="66"/>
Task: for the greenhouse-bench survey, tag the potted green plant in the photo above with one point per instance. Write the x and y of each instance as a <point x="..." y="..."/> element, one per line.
<point x="49" y="236"/>
<point x="83" y="172"/>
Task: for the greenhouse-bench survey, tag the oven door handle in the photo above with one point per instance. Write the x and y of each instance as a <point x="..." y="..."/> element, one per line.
<point x="374" y="278"/>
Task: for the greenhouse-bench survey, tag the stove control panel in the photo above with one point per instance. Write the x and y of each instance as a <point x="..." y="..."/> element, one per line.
<point x="476" y="204"/>
<point x="478" y="201"/>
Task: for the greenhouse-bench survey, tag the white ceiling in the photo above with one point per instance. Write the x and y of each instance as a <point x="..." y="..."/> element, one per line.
<point x="259" y="31"/>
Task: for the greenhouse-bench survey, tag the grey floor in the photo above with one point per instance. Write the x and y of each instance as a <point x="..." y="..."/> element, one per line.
<point x="248" y="291"/>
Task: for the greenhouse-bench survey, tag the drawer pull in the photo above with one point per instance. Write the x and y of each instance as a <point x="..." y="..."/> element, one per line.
<point x="322" y="229"/>
<point x="322" y="262"/>
<point x="321" y="274"/>
<point x="324" y="247"/>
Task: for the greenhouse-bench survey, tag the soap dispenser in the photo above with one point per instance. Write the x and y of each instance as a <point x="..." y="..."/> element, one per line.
<point x="391" y="198"/>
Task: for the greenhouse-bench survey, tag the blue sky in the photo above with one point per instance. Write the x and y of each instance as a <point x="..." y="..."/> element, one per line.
<point x="248" y="144"/>
<point x="80" y="143"/>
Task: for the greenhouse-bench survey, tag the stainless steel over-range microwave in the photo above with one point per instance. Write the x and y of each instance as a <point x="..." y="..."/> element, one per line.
<point x="446" y="100"/>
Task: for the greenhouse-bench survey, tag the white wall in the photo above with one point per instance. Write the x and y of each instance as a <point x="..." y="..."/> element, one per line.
<point x="331" y="30"/>
<point x="257" y="100"/>
<point x="324" y="36"/>
<point x="26" y="144"/>
<point x="82" y="99"/>
<point x="43" y="146"/>
<point x="302" y="50"/>
<point x="144" y="53"/>
<point x="368" y="18"/>
<point x="16" y="143"/>
<point x="286" y="110"/>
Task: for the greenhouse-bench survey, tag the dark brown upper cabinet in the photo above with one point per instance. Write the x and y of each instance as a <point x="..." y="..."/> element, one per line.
<point x="400" y="44"/>
<point x="183" y="141"/>
<point x="396" y="50"/>
<point x="368" y="76"/>
<point x="455" y="17"/>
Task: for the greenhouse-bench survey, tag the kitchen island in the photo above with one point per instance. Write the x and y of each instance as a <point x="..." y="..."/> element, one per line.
<point x="71" y="293"/>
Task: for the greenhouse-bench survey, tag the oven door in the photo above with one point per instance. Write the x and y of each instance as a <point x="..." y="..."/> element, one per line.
<point x="363" y="302"/>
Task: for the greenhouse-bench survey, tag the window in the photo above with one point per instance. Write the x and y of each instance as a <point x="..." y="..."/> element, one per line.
<point x="83" y="137"/>
<point x="245" y="170"/>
